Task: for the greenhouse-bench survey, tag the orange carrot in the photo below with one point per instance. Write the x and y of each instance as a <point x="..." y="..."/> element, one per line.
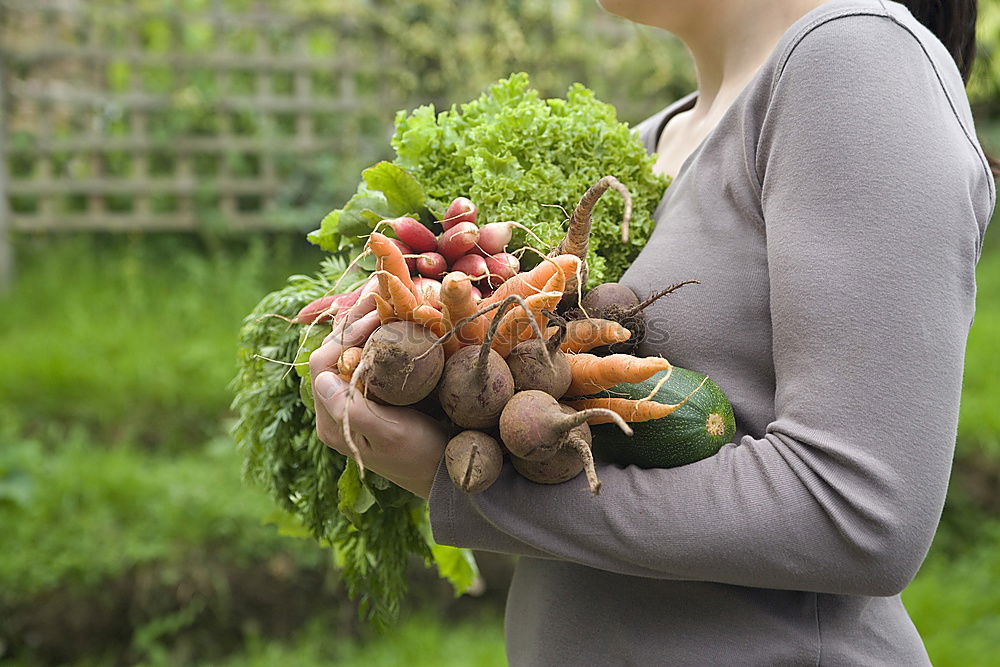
<point x="430" y="317"/>
<point x="592" y="374"/>
<point x="642" y="410"/>
<point x="389" y="258"/>
<point x="532" y="282"/>
<point x="349" y="360"/>
<point x="586" y="334"/>
<point x="458" y="303"/>
<point x="386" y="313"/>
<point x="403" y="301"/>
<point x="515" y="325"/>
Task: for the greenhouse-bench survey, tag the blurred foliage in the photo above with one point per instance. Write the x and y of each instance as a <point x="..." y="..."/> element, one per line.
<point x="131" y="338"/>
<point x="984" y="85"/>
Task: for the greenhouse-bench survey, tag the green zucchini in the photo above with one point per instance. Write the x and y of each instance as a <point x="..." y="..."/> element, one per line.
<point x="696" y="430"/>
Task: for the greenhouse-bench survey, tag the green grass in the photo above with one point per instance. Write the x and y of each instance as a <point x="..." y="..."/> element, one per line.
<point x="134" y="337"/>
<point x="979" y="420"/>
<point x="423" y="640"/>
<point x="84" y="514"/>
<point x="955" y="604"/>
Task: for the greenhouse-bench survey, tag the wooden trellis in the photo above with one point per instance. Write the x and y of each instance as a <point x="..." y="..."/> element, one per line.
<point x="117" y="117"/>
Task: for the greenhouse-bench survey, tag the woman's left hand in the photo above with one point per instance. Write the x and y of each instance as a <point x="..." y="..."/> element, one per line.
<point x="401" y="444"/>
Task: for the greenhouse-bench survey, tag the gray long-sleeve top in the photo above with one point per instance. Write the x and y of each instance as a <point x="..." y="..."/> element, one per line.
<point x="834" y="218"/>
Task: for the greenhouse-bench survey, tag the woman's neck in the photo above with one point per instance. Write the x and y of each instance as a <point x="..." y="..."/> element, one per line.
<point x="729" y="40"/>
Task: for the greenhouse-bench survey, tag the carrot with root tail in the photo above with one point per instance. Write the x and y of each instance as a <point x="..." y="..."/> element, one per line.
<point x="592" y="374"/>
<point x="521" y="323"/>
<point x="390" y="260"/>
<point x="632" y="411"/>
<point x="348" y="362"/>
<point x="457" y="304"/>
<point x="534" y="281"/>
<point x="577" y="239"/>
<point x="586" y="334"/>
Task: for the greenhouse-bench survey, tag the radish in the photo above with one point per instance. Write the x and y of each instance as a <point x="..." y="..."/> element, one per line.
<point x="473" y="266"/>
<point x="494" y="237"/>
<point x="429" y="290"/>
<point x="432" y="265"/>
<point x="476" y="293"/>
<point x="461" y="209"/>
<point x="457" y="240"/>
<point x="325" y="308"/>
<point x="474" y="460"/>
<point x="413" y="234"/>
<point x="502" y="267"/>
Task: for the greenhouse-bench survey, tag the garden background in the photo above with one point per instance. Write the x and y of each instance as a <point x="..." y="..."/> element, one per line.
<point x="162" y="161"/>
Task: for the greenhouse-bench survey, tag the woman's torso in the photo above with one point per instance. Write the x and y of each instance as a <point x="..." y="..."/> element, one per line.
<point x="710" y="227"/>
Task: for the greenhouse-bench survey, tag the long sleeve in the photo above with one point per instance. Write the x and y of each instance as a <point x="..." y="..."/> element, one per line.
<point x="873" y="198"/>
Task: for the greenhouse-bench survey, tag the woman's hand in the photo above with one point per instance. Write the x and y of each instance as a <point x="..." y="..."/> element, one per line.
<point x="401" y="444"/>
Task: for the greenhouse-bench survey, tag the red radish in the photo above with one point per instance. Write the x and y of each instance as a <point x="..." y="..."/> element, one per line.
<point x="473" y="266"/>
<point x="502" y="267"/>
<point x="413" y="234"/>
<point x="411" y="260"/>
<point x="458" y="240"/>
<point x="461" y="209"/>
<point x="325" y="308"/>
<point x="363" y="305"/>
<point x="494" y="237"/>
<point x="429" y="290"/>
<point x="485" y="291"/>
<point x="476" y="294"/>
<point x="432" y="265"/>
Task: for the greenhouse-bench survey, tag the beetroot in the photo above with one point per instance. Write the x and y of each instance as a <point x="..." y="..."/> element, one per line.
<point x="474" y="460"/>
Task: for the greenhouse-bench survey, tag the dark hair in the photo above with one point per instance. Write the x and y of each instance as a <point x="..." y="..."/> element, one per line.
<point x="954" y="23"/>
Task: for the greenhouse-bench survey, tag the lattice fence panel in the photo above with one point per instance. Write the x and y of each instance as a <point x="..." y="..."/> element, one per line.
<point x="181" y="114"/>
<point x="122" y="118"/>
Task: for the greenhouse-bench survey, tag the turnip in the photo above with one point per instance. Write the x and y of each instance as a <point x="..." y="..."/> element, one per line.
<point x="401" y="364"/>
<point x="533" y="425"/>
<point x="457" y="240"/>
<point x="573" y="456"/>
<point x="538" y="364"/>
<point x="474" y="460"/>
<point x="618" y="303"/>
<point x="413" y="234"/>
<point x="432" y="265"/>
<point x="461" y="209"/>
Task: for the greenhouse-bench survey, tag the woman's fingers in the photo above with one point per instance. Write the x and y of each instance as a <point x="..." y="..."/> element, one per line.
<point x="334" y="403"/>
<point x="325" y="357"/>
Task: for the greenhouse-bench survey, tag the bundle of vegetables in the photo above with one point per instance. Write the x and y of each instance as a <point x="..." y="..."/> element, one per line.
<point x="410" y="250"/>
<point x="495" y="376"/>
